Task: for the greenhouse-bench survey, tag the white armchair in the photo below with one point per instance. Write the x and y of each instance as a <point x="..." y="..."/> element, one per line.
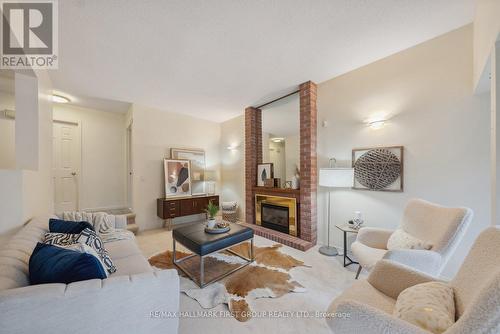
<point x="370" y="303"/>
<point x="443" y="227"/>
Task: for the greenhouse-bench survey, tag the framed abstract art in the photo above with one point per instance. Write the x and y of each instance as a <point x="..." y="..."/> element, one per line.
<point x="378" y="168"/>
<point x="177" y="177"/>
<point x="264" y="171"/>
<point x="197" y="159"/>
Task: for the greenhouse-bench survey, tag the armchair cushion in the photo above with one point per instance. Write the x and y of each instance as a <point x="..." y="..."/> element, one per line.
<point x="391" y="278"/>
<point x="441" y="226"/>
<point x="368" y="319"/>
<point x="426" y="261"/>
<point x="363" y="292"/>
<point x="402" y="240"/>
<point x="430" y="306"/>
<point x="374" y="237"/>
<point x="366" y="255"/>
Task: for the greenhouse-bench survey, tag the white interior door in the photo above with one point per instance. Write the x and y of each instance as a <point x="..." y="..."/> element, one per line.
<point x="66" y="165"/>
<point x="129" y="166"/>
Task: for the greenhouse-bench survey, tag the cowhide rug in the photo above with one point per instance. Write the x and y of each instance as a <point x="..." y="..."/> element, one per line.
<point x="267" y="277"/>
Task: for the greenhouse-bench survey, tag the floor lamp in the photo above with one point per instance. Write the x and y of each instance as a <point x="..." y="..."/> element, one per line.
<point x="334" y="178"/>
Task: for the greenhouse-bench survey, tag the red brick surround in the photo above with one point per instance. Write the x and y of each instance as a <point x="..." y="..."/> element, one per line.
<point x="253" y="156"/>
<point x="308" y="170"/>
<point x="308" y="162"/>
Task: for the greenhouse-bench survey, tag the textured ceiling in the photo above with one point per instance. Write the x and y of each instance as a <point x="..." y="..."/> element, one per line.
<point x="211" y="59"/>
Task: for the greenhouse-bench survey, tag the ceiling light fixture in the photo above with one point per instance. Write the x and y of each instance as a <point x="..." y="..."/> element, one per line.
<point x="277" y="139"/>
<point x="60" y="99"/>
<point x="375" y="125"/>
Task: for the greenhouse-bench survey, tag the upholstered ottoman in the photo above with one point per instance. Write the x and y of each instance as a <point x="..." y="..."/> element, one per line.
<point x="202" y="244"/>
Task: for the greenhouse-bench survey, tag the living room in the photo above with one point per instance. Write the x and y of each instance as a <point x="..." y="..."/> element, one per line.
<point x="278" y="166"/>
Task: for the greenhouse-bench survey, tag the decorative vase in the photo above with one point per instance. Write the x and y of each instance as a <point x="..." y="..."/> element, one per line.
<point x="358" y="219"/>
<point x="211" y="223"/>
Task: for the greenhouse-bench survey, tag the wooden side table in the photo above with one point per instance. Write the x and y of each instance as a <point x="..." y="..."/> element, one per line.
<point x="347" y="229"/>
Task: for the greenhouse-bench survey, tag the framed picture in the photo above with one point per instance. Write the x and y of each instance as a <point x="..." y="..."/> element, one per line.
<point x="264" y="172"/>
<point x="197" y="159"/>
<point x="379" y="168"/>
<point x="177" y="177"/>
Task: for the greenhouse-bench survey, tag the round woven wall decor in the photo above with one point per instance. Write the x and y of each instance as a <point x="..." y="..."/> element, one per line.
<point x="377" y="169"/>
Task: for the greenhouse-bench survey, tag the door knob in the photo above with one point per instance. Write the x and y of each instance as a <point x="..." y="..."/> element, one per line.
<point x="73" y="173"/>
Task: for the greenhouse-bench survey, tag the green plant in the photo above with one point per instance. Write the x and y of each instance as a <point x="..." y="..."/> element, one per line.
<point x="212" y="210"/>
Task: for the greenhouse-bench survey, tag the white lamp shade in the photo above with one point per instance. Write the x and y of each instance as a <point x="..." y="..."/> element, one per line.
<point x="336" y="177"/>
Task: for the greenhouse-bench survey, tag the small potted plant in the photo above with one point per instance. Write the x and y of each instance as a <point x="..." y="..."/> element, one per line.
<point x="211" y="211"/>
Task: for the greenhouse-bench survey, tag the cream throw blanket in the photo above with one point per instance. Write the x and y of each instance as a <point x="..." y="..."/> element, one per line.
<point x="103" y="223"/>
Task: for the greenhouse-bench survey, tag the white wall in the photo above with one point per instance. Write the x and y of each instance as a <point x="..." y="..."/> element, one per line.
<point x="27" y="121"/>
<point x="426" y="92"/>
<point x="103" y="173"/>
<point x="486" y="31"/>
<point x="38" y="186"/>
<point x="7" y="132"/>
<point x="495" y="134"/>
<point x="11" y="200"/>
<point x="154" y="132"/>
<point x="233" y="162"/>
<point x="25" y="193"/>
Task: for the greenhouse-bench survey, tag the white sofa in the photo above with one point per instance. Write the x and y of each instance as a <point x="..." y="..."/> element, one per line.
<point x="443" y="227"/>
<point x="134" y="299"/>
<point x="370" y="303"/>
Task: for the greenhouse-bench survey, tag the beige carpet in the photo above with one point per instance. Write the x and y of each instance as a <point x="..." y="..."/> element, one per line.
<point x="290" y="313"/>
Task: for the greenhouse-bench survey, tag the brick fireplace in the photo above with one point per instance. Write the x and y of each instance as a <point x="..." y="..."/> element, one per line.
<point x="305" y="196"/>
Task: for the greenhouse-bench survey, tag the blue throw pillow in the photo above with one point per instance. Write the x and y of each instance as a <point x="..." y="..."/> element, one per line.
<point x="52" y="264"/>
<point x="68" y="226"/>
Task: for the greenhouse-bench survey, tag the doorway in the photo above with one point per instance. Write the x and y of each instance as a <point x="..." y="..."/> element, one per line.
<point x="66" y="165"/>
<point x="129" y="166"/>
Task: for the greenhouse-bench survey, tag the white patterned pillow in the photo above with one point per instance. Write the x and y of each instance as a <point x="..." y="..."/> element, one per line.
<point x="59" y="239"/>
<point x="430" y="306"/>
<point x="402" y="240"/>
<point x="89" y="237"/>
<point x="229" y="206"/>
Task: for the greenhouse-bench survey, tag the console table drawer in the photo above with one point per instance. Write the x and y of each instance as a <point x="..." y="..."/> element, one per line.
<point x="172" y="208"/>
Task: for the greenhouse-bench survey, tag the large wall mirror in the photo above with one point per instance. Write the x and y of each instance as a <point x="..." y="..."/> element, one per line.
<point x="281" y="137"/>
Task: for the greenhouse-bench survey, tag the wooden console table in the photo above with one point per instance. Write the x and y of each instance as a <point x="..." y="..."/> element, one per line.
<point x="168" y="208"/>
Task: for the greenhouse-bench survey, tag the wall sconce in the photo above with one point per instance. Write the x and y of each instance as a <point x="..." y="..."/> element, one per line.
<point x="376" y="125"/>
<point x="233" y="147"/>
<point x="60" y="99"/>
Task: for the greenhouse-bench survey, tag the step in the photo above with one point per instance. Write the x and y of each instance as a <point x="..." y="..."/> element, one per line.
<point x="134" y="228"/>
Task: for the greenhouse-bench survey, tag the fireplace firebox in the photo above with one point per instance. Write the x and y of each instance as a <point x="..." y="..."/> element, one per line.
<point x="277" y="213"/>
<point x="275" y="217"/>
